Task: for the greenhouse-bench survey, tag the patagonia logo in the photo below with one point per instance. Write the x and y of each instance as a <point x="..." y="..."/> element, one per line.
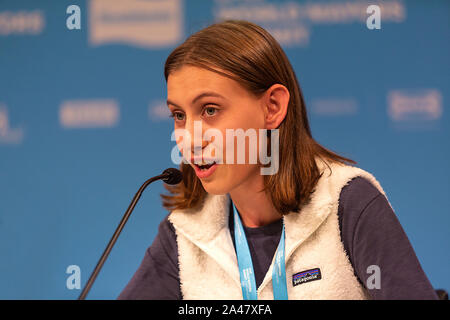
<point x="306" y="276"/>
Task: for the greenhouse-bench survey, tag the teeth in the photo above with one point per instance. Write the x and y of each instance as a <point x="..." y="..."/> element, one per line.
<point x="204" y="163"/>
<point x="205" y="166"/>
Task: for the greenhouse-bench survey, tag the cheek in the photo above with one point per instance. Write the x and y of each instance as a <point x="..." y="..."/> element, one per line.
<point x="183" y="142"/>
<point x="241" y="145"/>
<point x="251" y="115"/>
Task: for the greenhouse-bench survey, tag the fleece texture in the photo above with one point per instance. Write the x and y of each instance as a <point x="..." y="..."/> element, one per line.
<point x="208" y="265"/>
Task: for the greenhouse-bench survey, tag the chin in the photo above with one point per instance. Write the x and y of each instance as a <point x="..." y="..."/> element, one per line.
<point x="216" y="183"/>
<point x="215" y="188"/>
<point x="225" y="179"/>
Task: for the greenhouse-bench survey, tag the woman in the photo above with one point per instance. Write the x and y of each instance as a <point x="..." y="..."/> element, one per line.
<point x="316" y="228"/>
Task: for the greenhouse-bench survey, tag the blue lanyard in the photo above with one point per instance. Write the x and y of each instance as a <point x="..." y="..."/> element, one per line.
<point x="247" y="275"/>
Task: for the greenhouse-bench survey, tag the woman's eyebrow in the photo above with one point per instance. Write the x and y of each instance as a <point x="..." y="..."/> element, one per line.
<point x="172" y="103"/>
<point x="198" y="97"/>
<point x="206" y="94"/>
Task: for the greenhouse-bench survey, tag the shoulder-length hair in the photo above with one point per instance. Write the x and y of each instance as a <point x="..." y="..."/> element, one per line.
<point x="248" y="54"/>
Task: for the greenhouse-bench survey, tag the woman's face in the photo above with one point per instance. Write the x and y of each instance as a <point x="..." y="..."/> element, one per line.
<point x="216" y="102"/>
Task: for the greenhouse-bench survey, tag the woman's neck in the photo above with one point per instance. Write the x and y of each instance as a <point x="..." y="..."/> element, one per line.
<point x="255" y="207"/>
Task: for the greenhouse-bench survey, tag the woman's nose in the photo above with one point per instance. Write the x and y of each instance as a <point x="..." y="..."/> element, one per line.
<point x="196" y="133"/>
<point x="197" y="146"/>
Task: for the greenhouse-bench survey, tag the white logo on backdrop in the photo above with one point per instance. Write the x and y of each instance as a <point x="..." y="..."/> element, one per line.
<point x="89" y="113"/>
<point x="158" y="110"/>
<point x="142" y="23"/>
<point x="334" y="106"/>
<point x="8" y="135"/>
<point x="291" y="22"/>
<point x="21" y="22"/>
<point x="415" y="105"/>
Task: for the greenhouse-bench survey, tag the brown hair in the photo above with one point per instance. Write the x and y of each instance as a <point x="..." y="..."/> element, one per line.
<point x="248" y="54"/>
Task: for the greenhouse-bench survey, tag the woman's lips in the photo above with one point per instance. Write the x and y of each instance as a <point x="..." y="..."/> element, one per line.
<point x="205" y="172"/>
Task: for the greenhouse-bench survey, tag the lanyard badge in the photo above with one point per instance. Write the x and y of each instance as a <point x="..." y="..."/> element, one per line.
<point x="246" y="272"/>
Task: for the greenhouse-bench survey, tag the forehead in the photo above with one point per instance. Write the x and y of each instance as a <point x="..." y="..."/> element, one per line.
<point x="189" y="81"/>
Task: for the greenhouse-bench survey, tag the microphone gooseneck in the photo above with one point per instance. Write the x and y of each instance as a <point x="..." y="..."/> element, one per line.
<point x="169" y="176"/>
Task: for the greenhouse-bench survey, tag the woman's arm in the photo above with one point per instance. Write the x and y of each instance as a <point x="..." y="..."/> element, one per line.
<point x="373" y="236"/>
<point x="157" y="278"/>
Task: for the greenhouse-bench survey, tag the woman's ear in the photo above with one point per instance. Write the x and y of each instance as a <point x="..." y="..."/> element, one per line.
<point x="276" y="100"/>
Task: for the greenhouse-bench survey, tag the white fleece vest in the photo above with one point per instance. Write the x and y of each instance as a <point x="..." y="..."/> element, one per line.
<point x="207" y="259"/>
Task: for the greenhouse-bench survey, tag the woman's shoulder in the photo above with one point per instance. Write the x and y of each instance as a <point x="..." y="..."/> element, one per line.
<point x="350" y="183"/>
<point x="165" y="240"/>
<point x="358" y="192"/>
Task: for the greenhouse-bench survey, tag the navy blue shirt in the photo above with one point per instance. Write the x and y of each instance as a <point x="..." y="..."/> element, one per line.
<point x="370" y="232"/>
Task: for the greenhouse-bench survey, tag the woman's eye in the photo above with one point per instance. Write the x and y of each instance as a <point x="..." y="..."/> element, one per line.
<point x="178" y="116"/>
<point x="210" y="111"/>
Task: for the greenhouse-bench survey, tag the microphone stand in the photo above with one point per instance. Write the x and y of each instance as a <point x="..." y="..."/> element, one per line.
<point x="168" y="177"/>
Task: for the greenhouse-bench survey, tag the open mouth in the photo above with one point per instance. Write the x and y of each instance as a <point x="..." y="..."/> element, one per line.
<point x="205" y="170"/>
<point x="205" y="167"/>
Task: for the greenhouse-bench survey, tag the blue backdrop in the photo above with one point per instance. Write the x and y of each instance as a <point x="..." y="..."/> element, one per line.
<point x="83" y="122"/>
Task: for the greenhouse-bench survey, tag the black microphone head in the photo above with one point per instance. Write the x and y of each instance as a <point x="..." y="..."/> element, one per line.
<point x="174" y="176"/>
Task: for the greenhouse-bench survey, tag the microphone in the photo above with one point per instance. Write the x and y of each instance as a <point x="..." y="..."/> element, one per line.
<point x="172" y="176"/>
<point x="169" y="176"/>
